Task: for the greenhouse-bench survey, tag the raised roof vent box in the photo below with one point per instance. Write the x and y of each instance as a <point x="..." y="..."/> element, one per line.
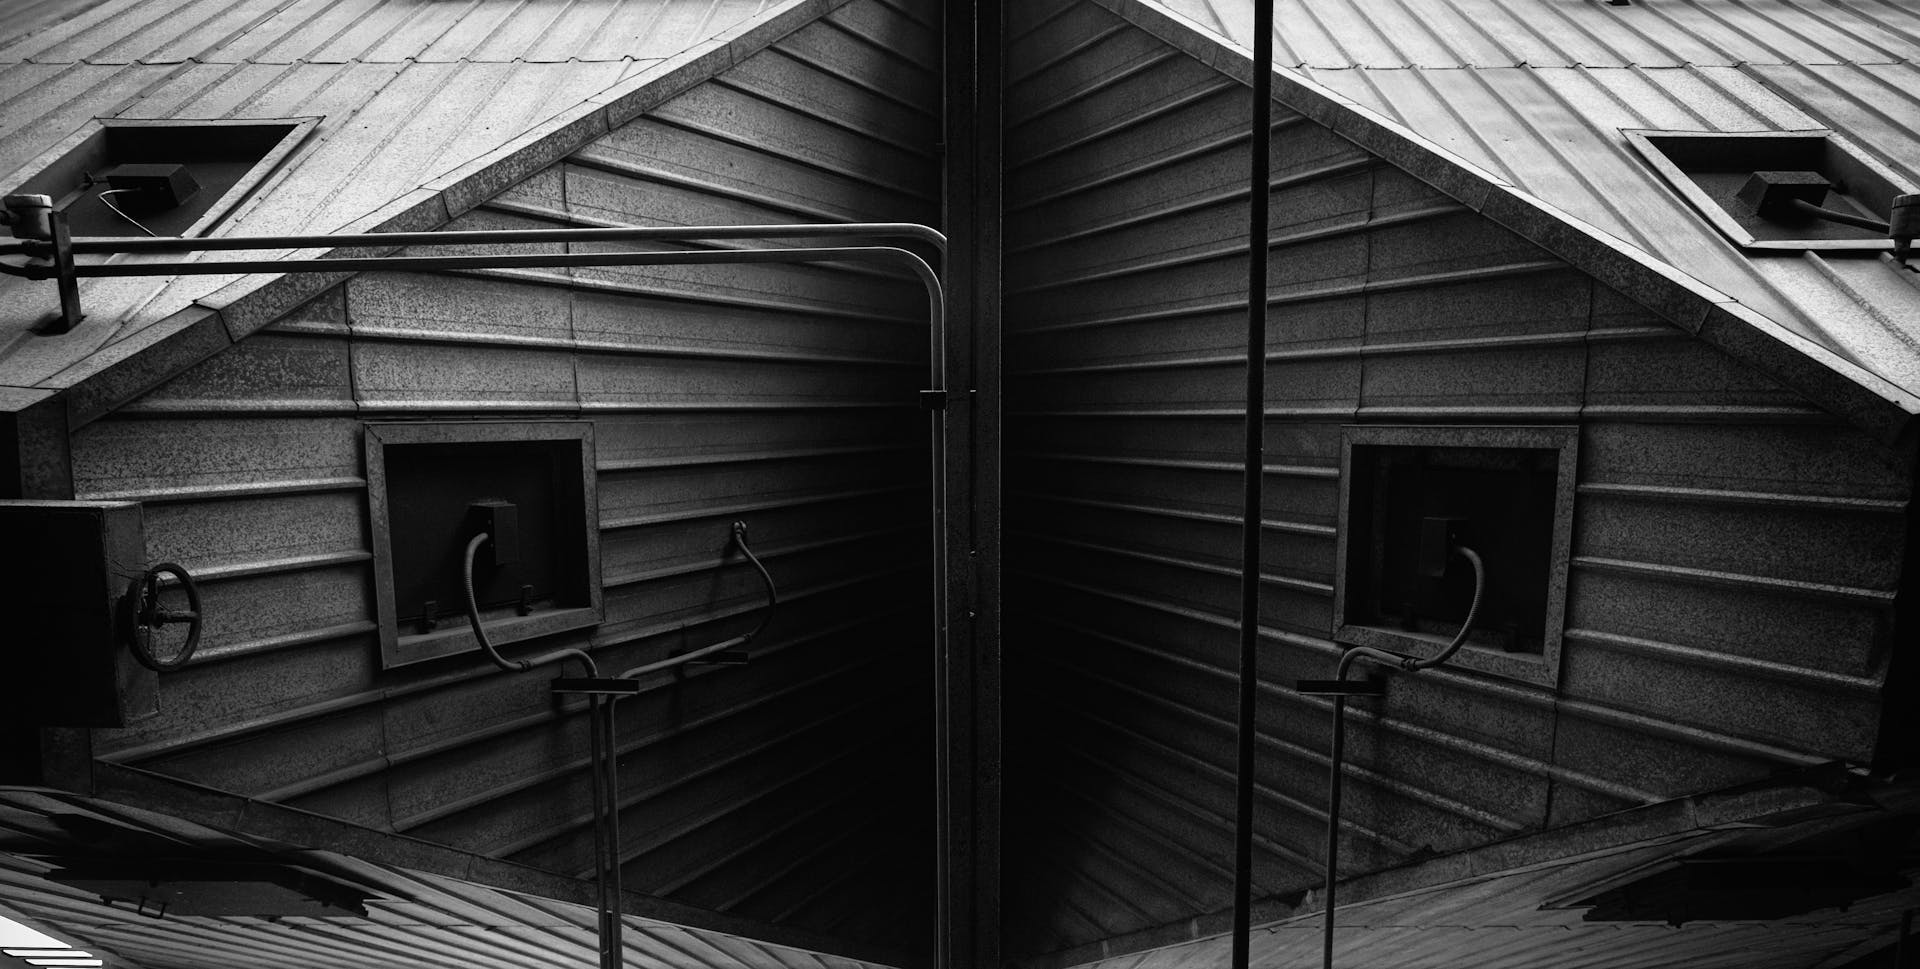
<point x="1758" y="188"/>
<point x="170" y="178"/>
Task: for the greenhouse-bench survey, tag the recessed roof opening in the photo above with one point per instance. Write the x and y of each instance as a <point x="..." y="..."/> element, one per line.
<point x="1760" y="189"/>
<point x="118" y="177"/>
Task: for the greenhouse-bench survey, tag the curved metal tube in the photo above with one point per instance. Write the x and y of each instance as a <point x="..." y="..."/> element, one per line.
<point x="1411" y="664"/>
<point x="773" y="599"/>
<point x="486" y="645"/>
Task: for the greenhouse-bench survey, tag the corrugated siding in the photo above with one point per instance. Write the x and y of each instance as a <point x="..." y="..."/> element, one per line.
<point x="1735" y="552"/>
<point x="784" y="396"/>
<point x="1538" y="94"/>
<point x="406" y="92"/>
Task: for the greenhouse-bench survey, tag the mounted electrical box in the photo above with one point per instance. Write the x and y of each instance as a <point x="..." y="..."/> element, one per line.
<point x="528" y="487"/>
<point x="1411" y="496"/>
<point x="67" y="568"/>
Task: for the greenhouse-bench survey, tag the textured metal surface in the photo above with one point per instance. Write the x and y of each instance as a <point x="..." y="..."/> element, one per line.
<point x="784" y="396"/>
<point x="1734" y="556"/>
<point x="1538" y="93"/>
<point x="407" y="91"/>
<point x="415" y="918"/>
<point x="1513" y="905"/>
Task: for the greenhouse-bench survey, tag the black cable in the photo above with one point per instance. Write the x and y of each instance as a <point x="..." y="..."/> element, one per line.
<point x="116" y="209"/>
<point x="773" y="599"/>
<point x="1844" y="218"/>
<point x="473" y="619"/>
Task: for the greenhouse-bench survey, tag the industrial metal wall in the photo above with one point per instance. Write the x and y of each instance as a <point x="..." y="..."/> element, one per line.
<point x="795" y="790"/>
<point x="1735" y="552"/>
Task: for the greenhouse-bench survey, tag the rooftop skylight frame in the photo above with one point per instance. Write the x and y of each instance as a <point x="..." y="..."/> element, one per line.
<point x="1865" y="177"/>
<point x="53" y="171"/>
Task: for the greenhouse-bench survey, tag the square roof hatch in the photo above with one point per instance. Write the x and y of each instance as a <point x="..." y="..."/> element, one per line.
<point x="116" y="177"/>
<point x="1746" y="183"/>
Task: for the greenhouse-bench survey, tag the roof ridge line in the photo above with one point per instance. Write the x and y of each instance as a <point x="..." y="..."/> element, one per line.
<point x="1839" y="386"/>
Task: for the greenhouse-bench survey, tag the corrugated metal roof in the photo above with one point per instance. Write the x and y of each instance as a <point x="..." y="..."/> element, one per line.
<point x="414" y="918"/>
<point x="407" y="90"/>
<point x="1525" y="902"/>
<point x="1566" y="33"/>
<point x="1537" y="92"/>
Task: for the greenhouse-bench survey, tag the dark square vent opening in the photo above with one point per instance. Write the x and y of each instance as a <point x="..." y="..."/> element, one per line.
<point x="172" y="178"/>
<point x="528" y="486"/>
<point x="1748" y="184"/>
<point x="1412" y="494"/>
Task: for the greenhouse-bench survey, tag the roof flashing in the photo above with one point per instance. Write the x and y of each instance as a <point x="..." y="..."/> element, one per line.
<point x="1733" y="180"/>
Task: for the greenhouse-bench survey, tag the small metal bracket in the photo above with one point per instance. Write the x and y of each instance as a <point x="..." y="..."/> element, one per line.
<point x="429" y="615"/>
<point x="939" y="399"/>
<point x="1371" y="686"/>
<point x="602" y="685"/>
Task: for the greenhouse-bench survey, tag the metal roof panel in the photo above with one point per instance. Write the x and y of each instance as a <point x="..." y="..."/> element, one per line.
<point x="1537" y="92"/>
<point x="1545" y="33"/>
<point x="407" y="91"/>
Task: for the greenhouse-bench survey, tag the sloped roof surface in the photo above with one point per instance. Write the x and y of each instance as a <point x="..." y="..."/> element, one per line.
<point x="1537" y="92"/>
<point x="408" y="90"/>
<point x="413" y="918"/>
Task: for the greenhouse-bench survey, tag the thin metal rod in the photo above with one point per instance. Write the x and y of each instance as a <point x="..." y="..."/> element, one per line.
<point x="612" y="943"/>
<point x="354" y="264"/>
<point x="1805" y="207"/>
<point x="1338" y="749"/>
<point x="1259" y="175"/>
<point x="1336" y="754"/>
<point x="694" y="233"/>
<point x="598" y="779"/>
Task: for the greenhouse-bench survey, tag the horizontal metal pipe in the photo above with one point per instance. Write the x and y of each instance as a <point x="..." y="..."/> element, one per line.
<point x="354" y="264"/>
<point x="678" y="233"/>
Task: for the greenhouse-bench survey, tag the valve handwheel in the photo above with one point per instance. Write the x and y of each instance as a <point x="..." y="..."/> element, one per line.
<point x="143" y="616"/>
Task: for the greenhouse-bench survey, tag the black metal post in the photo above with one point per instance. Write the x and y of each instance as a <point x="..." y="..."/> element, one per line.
<point x="70" y="315"/>
<point x="1259" y="176"/>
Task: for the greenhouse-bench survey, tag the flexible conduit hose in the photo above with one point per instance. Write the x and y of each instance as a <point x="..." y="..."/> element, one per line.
<point x="473" y="619"/>
<point x="773" y="599"/>
<point x="1402" y="661"/>
<point x="602" y="769"/>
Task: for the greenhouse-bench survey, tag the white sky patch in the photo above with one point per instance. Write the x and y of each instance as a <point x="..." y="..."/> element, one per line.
<point x="13" y="935"/>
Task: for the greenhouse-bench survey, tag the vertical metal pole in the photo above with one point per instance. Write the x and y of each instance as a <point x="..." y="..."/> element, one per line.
<point x="614" y="947"/>
<point x="969" y="695"/>
<point x="70" y="315"/>
<point x="1336" y="756"/>
<point x="1258" y="176"/>
<point x="598" y="777"/>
